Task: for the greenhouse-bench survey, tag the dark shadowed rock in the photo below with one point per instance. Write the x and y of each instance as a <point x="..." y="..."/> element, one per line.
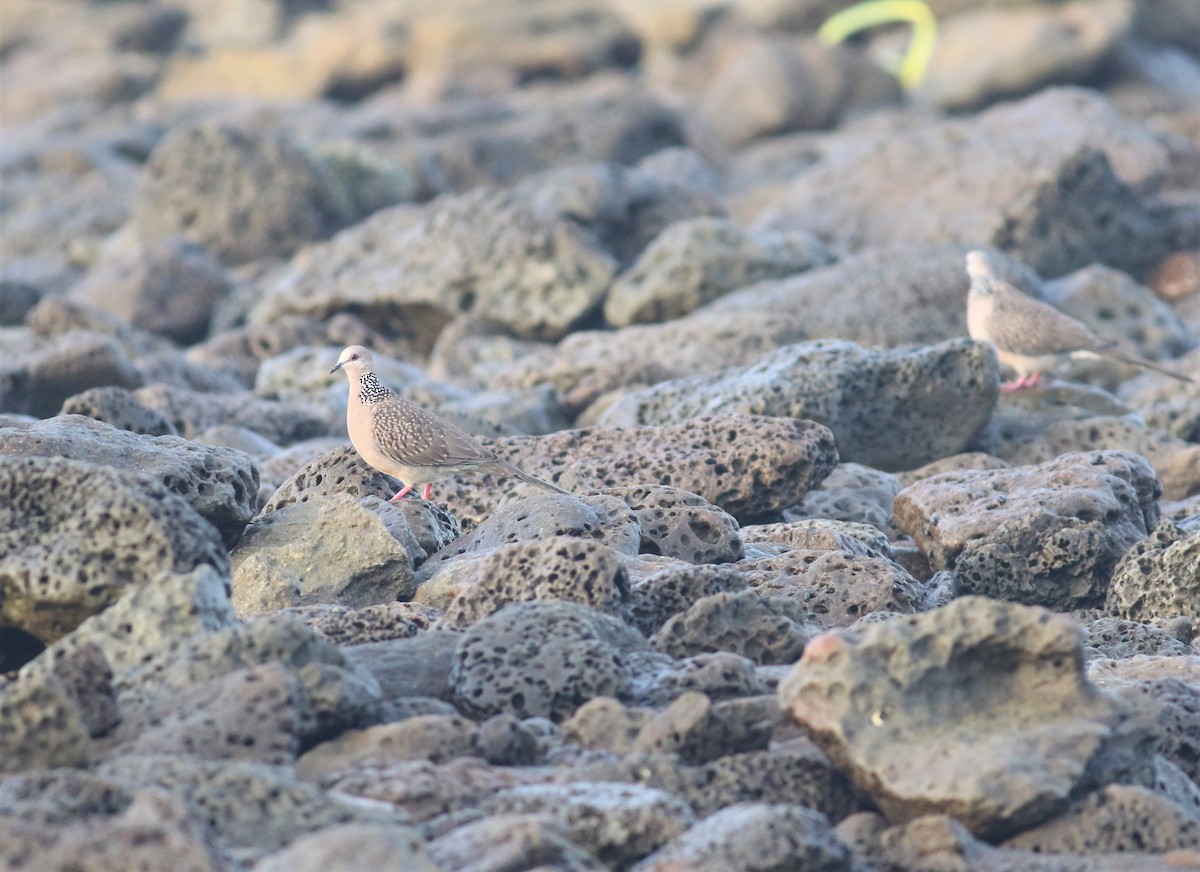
<point x="543" y="659"/>
<point x="169" y="287"/>
<point x="36" y="380"/>
<point x="885" y="408"/>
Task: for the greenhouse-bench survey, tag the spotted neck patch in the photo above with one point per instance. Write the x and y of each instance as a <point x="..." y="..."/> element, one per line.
<point x="370" y="390"/>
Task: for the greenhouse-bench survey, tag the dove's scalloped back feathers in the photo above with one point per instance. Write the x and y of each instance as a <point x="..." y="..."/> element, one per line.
<point x="1024" y="325"/>
<point x="414" y="437"/>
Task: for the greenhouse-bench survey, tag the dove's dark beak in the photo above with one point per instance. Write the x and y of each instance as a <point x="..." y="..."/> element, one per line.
<point x="336" y="367"/>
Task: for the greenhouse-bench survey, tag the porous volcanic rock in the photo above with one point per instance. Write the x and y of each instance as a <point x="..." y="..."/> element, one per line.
<point x="885" y="408"/>
<point x="1049" y="534"/>
<point x="979" y="710"/>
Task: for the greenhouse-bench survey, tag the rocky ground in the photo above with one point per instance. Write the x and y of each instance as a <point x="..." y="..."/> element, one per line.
<point x="822" y="597"/>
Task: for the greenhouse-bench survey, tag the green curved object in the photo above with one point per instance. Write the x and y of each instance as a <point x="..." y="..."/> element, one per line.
<point x="871" y="13"/>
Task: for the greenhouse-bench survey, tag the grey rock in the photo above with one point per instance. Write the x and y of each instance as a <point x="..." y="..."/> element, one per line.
<point x="193" y="412"/>
<point x="242" y="195"/>
<point x="1174" y="705"/>
<point x="120" y="408"/>
<point x="251" y="715"/>
<point x="886" y="408"/>
<point x="416" y="667"/>
<point x="791" y="772"/>
<point x="676" y="523"/>
<point x="484" y="252"/>
<point x="82" y="672"/>
<point x="155" y="621"/>
<point x="44" y="728"/>
<point x="835" y="588"/>
<point x="173" y="368"/>
<point x="503" y="740"/>
<point x="820" y="534"/>
<point x="352" y="847"/>
<point x="219" y="483"/>
<point x="765" y="629"/>
<point x="248" y="807"/>
<point x="1025" y="177"/>
<point x="1119" y="818"/>
<point x="750" y="84"/>
<point x="953" y="463"/>
<point x="587" y="365"/>
<point x="433" y="737"/>
<point x="624" y="208"/>
<point x="721" y="675"/>
<point x="616" y="823"/>
<point x="62" y="562"/>
<point x="916" y="291"/>
<point x="16" y="299"/>
<point x="332" y="695"/>
<point x="240" y="438"/>
<point x="338" y="549"/>
<point x="699" y="730"/>
<point x="986" y="54"/>
<point x="57" y="316"/>
<point x="852" y="492"/>
<point x="606" y="724"/>
<point x="60" y="795"/>
<point x="154" y="831"/>
<point x="1117" y="638"/>
<point x="1159" y="577"/>
<point x="1173" y="22"/>
<point x="541" y="659"/>
<point x="380" y="623"/>
<point x="1172" y="783"/>
<point x="538" y="517"/>
<point x="1010" y="535"/>
<point x="1026" y="733"/>
<point x="560" y="568"/>
<point x="168" y="286"/>
<point x="620" y="126"/>
<point x="692" y="262"/>
<point x="240" y="349"/>
<point x="658" y="597"/>
<point x="512" y="843"/>
<point x="38" y="380"/>
<point x="422" y="790"/>
<point x="342" y="471"/>
<point x="940" y="842"/>
<point x="749" y="466"/>
<point x="754" y="836"/>
<point x="1040" y="424"/>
